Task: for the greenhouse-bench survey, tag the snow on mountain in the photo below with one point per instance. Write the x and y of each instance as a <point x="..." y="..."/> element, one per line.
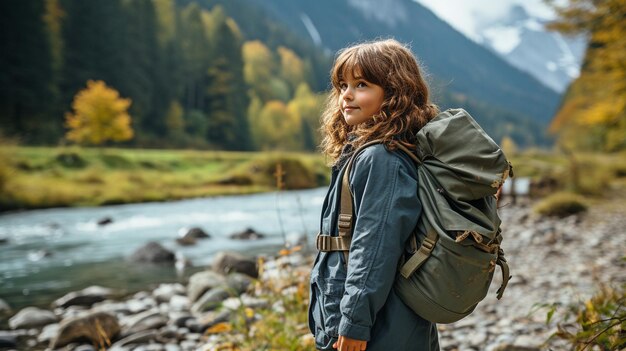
<point x="515" y="30"/>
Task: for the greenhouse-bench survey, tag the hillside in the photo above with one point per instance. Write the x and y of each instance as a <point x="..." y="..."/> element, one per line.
<point x="504" y="99"/>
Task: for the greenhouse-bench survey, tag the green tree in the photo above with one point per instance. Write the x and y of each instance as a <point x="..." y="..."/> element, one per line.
<point x="26" y="84"/>
<point x="100" y="115"/>
<point x="226" y="88"/>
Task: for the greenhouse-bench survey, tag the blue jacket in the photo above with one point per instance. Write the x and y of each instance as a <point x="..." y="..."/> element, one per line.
<point x="358" y="301"/>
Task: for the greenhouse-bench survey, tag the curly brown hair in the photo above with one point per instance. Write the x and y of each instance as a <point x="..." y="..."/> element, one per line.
<point x="405" y="109"/>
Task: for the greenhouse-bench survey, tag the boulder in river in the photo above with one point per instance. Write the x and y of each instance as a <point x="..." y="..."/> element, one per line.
<point x="32" y="317"/>
<point x="248" y="234"/>
<point x="194" y="232"/>
<point x="153" y="252"/>
<point x="4" y="241"/>
<point x="104" y="221"/>
<point x="95" y="326"/>
<point x="189" y="236"/>
<point x="86" y="297"/>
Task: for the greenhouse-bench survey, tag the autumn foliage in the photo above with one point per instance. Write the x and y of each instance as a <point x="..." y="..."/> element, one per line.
<point x="593" y="113"/>
<point x="100" y="115"/>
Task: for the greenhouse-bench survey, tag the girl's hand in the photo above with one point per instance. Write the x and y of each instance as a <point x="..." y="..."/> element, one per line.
<point x="344" y="343"/>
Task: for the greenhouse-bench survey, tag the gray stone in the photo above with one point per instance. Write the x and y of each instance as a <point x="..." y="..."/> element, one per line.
<point x="48" y="333"/>
<point x="164" y="292"/>
<point x="142" y="337"/>
<point x="248" y="234"/>
<point x="168" y="334"/>
<point x="201" y="282"/>
<point x="188" y="345"/>
<point x="4" y="307"/>
<point x="153" y="252"/>
<point x="238" y="282"/>
<point x="32" y="317"/>
<point x="179" y="319"/>
<point x="91" y="326"/>
<point x="190" y="236"/>
<point x="228" y="262"/>
<point x="7" y="339"/>
<point x="86" y="297"/>
<point x="210" y="300"/>
<point x="85" y="347"/>
<point x="209" y="319"/>
<point x="179" y="303"/>
<point x="477" y="338"/>
<point x="172" y="347"/>
<point x="143" y="321"/>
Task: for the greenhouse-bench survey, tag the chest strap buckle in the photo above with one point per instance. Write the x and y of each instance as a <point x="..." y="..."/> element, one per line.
<point x="327" y="243"/>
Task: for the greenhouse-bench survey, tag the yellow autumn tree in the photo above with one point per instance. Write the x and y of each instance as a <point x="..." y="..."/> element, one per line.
<point x="100" y="115"/>
<point x="274" y="128"/>
<point x="593" y="112"/>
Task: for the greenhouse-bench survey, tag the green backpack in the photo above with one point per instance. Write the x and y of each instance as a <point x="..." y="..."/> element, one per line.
<point x="456" y="244"/>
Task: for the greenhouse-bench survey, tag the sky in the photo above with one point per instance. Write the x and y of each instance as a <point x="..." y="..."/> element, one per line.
<point x="466" y="15"/>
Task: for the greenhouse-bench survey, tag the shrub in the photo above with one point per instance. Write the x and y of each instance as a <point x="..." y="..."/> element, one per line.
<point x="599" y="322"/>
<point x="262" y="171"/>
<point x="560" y="205"/>
<point x="70" y="160"/>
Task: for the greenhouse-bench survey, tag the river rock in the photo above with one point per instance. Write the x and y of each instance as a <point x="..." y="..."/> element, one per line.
<point x="136" y="338"/>
<point x="153" y="252"/>
<point x="179" y="318"/>
<point x="48" y="333"/>
<point x="238" y="282"/>
<point x="86" y="297"/>
<point x="4" y="241"/>
<point x="164" y="292"/>
<point x="179" y="303"/>
<point x="32" y="317"/>
<point x="143" y="321"/>
<point x="209" y="319"/>
<point x="248" y="234"/>
<point x="91" y="326"/>
<point x="227" y="262"/>
<point x="200" y="282"/>
<point x="7" y="339"/>
<point x="234" y="303"/>
<point x="104" y="221"/>
<point x="194" y="232"/>
<point x="210" y="300"/>
<point x="4" y="307"/>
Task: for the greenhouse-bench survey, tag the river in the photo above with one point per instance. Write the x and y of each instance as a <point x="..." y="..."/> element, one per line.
<point x="50" y="252"/>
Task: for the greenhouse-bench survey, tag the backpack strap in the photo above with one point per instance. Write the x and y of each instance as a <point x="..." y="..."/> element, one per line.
<point x="346" y="209"/>
<point x="342" y="242"/>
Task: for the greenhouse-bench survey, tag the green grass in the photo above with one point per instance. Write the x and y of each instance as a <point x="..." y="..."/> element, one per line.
<point x="40" y="177"/>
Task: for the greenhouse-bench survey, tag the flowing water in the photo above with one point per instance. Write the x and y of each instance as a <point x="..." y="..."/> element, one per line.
<point x="50" y="252"/>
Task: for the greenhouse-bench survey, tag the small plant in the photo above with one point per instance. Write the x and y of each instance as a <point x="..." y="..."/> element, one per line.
<point x="599" y="324"/>
<point x="561" y="205"/>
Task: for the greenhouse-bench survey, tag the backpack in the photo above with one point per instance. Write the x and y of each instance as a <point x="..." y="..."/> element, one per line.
<point x="452" y="254"/>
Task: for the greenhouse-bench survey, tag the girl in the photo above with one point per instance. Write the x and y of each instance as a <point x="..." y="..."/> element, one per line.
<point x="378" y="94"/>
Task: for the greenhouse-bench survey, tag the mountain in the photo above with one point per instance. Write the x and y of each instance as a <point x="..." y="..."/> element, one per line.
<point x="521" y="39"/>
<point x="462" y="73"/>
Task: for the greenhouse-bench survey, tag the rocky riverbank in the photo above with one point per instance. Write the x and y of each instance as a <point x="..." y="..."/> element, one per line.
<point x="227" y="307"/>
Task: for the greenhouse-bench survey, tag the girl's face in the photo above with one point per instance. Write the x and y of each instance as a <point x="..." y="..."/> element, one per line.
<point x="359" y="100"/>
